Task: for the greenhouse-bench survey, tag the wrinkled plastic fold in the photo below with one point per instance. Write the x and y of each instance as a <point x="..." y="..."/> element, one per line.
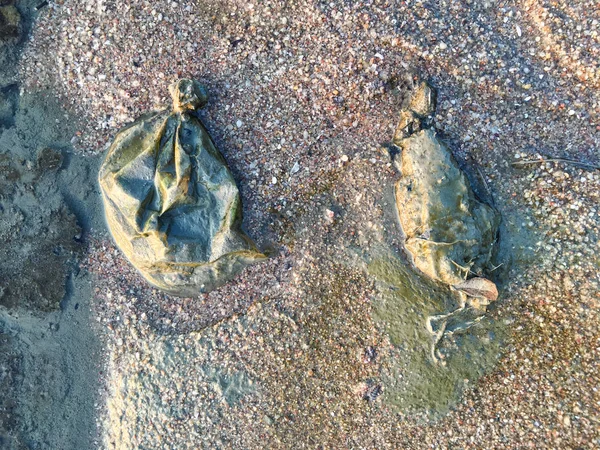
<point x="171" y="202"/>
<point x="449" y="232"/>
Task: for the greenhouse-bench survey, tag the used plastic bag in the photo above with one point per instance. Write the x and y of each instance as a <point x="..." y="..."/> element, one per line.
<point x="170" y="201"/>
<point x="449" y="233"/>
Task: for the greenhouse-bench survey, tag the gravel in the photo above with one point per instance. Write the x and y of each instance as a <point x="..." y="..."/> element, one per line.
<point x="304" y="95"/>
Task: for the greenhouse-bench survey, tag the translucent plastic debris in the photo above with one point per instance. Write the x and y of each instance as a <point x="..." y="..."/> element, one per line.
<point x="171" y="202"/>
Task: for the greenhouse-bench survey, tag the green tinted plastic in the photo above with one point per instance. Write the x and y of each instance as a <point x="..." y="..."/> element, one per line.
<point x="170" y="201"/>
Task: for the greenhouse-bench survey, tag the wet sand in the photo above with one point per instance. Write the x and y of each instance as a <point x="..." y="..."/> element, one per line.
<point x="304" y="351"/>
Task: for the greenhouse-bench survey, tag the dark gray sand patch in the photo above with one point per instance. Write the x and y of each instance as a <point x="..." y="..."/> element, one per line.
<point x="46" y="195"/>
<point x="11" y="379"/>
<point x="36" y="259"/>
<point x="51" y="375"/>
<point x="50" y="351"/>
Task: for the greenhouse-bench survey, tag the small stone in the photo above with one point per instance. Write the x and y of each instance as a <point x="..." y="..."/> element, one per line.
<point x="479" y="287"/>
<point x="239" y="124"/>
<point x="329" y="216"/>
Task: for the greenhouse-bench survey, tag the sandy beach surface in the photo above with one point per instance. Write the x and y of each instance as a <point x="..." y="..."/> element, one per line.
<point x="321" y="346"/>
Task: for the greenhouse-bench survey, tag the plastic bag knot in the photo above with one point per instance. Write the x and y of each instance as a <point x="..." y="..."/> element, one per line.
<point x="188" y="95"/>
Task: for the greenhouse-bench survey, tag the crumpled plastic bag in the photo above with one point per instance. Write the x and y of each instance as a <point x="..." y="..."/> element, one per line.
<point x="170" y="201"/>
<point x="449" y="233"/>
